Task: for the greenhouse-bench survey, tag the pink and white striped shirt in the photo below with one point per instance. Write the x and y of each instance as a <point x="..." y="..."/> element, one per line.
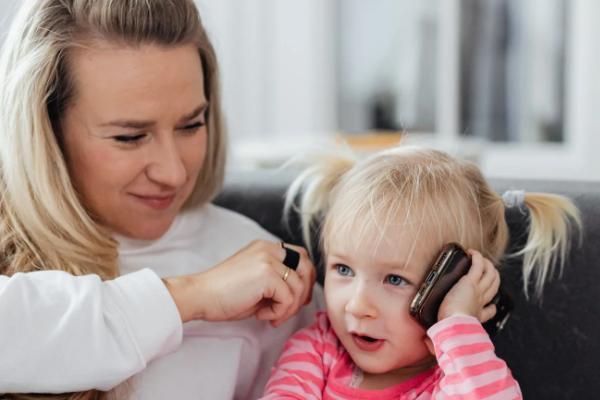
<point x="315" y="365"/>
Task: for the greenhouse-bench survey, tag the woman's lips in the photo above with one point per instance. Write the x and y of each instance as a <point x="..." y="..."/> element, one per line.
<point x="365" y="344"/>
<point x="156" y="202"/>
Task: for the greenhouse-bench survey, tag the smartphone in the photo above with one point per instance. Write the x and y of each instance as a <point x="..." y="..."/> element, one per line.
<point x="451" y="264"/>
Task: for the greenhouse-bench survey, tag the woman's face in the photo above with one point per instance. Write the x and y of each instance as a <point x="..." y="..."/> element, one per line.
<point x="134" y="133"/>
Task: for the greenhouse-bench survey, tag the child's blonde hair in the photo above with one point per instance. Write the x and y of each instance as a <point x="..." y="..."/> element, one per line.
<point x="441" y="198"/>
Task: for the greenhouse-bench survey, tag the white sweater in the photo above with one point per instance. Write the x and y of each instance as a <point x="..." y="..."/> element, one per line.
<point x="60" y="333"/>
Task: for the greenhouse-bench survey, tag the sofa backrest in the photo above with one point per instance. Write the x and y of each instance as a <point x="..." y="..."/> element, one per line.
<point x="552" y="346"/>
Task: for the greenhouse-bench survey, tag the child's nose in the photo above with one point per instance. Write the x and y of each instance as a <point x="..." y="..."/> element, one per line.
<point x="361" y="304"/>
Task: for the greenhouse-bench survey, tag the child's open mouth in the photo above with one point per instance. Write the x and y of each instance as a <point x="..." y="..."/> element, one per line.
<point x="367" y="343"/>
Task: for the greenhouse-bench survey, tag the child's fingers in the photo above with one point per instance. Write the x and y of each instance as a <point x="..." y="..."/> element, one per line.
<point x="487" y="313"/>
<point x="492" y="289"/>
<point x="490" y="274"/>
<point x="477" y="265"/>
<point x="490" y="281"/>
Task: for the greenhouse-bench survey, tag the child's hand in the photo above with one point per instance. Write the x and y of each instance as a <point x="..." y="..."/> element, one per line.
<point x="473" y="293"/>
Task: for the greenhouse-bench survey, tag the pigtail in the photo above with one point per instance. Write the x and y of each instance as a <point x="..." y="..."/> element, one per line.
<point x="310" y="193"/>
<point x="550" y="222"/>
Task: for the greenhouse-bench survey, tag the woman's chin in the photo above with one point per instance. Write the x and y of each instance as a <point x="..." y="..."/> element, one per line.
<point x="147" y="230"/>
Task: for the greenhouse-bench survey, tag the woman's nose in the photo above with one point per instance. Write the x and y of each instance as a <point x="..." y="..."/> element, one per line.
<point x="361" y="304"/>
<point x="166" y="165"/>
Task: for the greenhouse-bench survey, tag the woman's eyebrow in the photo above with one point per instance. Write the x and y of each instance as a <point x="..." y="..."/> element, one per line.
<point x="129" y="123"/>
<point x="197" y="111"/>
<point x="141" y="124"/>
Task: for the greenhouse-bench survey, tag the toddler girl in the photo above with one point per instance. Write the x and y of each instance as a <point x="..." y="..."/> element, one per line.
<point x="384" y="221"/>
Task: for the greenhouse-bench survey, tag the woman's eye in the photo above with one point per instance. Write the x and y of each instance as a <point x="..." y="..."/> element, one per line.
<point x="343" y="270"/>
<point x="128" y="139"/>
<point x="396" y="280"/>
<point x="193" y="127"/>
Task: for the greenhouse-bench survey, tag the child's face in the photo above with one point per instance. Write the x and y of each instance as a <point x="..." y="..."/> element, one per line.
<point x="368" y="294"/>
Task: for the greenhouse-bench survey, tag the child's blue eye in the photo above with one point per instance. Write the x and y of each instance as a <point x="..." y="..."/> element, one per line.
<point x="344" y="270"/>
<point x="396" y="280"/>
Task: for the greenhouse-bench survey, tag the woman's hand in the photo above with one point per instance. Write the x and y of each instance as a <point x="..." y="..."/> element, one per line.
<point x="248" y="283"/>
<point x="473" y="293"/>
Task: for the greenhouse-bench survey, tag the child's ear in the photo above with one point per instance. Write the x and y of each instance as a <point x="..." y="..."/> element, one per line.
<point x="429" y="345"/>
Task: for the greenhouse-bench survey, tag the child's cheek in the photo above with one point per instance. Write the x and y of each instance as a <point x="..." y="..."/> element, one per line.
<point x="334" y="294"/>
<point x="396" y="309"/>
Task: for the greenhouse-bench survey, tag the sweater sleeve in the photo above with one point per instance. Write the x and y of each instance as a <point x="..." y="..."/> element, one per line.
<point x="63" y="333"/>
<point x="471" y="368"/>
<point x="302" y="368"/>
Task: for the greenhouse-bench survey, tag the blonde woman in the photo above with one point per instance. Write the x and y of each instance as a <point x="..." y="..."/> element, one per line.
<point x="111" y="148"/>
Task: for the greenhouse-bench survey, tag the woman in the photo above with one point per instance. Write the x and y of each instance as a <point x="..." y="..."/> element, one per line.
<point x="111" y="147"/>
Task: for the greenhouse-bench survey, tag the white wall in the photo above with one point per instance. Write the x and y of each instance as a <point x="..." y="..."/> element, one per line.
<point x="387" y="48"/>
<point x="278" y="64"/>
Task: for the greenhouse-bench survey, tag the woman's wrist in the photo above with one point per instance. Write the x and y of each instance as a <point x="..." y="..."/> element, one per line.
<point x="184" y="294"/>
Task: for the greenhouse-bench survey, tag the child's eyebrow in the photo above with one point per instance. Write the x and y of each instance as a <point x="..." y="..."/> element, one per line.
<point x="396" y="264"/>
<point x="337" y="257"/>
<point x="405" y="269"/>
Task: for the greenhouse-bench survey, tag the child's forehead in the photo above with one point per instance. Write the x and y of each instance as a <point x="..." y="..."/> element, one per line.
<point x="402" y="246"/>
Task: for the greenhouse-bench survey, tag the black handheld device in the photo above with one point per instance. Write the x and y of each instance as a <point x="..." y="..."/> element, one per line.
<point x="451" y="264"/>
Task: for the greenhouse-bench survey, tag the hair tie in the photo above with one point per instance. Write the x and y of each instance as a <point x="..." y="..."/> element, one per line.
<point x="514" y="198"/>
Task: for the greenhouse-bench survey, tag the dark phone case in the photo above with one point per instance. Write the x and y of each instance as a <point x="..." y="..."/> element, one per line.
<point x="451" y="264"/>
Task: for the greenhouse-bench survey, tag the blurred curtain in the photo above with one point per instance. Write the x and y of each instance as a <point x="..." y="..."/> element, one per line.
<point x="387" y="63"/>
<point x="512" y="69"/>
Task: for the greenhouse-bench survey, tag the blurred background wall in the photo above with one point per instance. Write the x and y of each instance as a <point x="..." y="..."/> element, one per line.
<point x="513" y="85"/>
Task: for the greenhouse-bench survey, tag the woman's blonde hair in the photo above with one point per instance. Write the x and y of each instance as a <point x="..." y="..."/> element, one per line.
<point x="441" y="198"/>
<point x="43" y="224"/>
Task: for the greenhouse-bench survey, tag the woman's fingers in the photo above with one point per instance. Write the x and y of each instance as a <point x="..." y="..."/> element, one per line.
<point x="254" y="281"/>
<point x="276" y="302"/>
<point x="296" y="286"/>
<point x="298" y="276"/>
<point x="305" y="271"/>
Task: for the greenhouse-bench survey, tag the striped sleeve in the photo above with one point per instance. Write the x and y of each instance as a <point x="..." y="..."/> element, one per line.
<point x="302" y="368"/>
<point x="472" y="371"/>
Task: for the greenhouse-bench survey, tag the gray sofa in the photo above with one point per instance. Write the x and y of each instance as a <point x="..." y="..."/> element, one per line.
<point x="552" y="348"/>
